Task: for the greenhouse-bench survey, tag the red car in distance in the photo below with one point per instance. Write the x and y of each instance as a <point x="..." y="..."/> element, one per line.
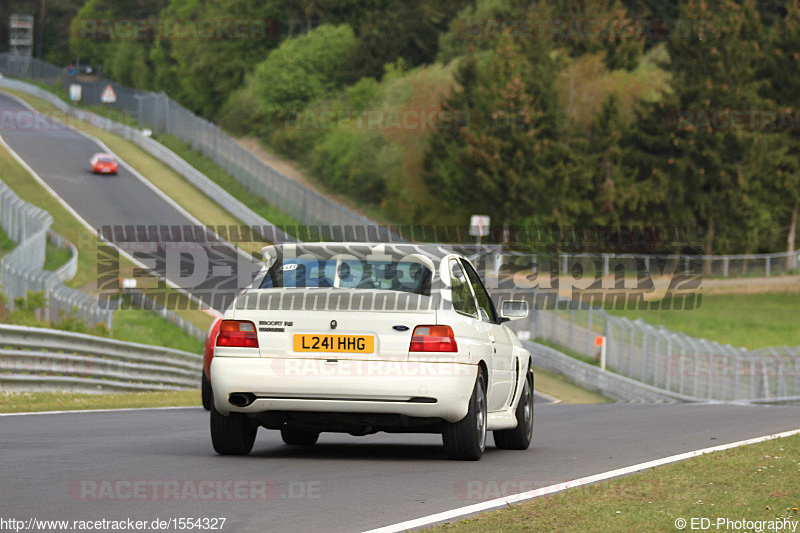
<point x="104" y="164"/>
<point x="208" y="354"/>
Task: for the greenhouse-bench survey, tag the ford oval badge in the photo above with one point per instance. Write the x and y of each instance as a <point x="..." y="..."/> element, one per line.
<point x="400" y="328"/>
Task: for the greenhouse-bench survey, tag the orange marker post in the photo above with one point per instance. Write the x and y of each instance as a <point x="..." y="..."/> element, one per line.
<point x="600" y="341"/>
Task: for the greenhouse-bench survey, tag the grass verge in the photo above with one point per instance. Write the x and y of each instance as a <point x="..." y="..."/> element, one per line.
<point x="23" y="402"/>
<point x="562" y="388"/>
<point x="55" y="257"/>
<point x="572" y="353"/>
<point x="228" y="182"/>
<point x="135" y="325"/>
<point x="755" y="482"/>
<point x="6" y="244"/>
<point x="749" y="320"/>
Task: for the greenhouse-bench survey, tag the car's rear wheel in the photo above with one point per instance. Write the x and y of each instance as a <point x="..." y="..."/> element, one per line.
<point x="231" y="435"/>
<point x="520" y="437"/>
<point x="205" y="392"/>
<point x="298" y="437"/>
<point x="465" y="440"/>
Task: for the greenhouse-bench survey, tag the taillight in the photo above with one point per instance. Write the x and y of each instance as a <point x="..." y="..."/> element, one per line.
<point x="433" y="339"/>
<point x="237" y="334"/>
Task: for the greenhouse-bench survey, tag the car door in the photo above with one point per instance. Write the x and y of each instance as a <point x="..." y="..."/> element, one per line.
<point x="502" y="359"/>
<point x="469" y="329"/>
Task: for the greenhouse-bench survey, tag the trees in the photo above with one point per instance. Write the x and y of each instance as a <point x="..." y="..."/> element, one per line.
<point x="500" y="163"/>
<point x="781" y="70"/>
<point x="713" y="73"/>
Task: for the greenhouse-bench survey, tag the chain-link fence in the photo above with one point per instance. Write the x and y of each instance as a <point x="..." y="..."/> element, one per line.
<point x="714" y="266"/>
<point x="156" y="111"/>
<point x="22" y="269"/>
<point x="669" y="360"/>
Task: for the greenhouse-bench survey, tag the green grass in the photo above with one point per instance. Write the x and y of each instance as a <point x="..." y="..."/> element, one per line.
<point x="572" y="353"/>
<point x="562" y="388"/>
<point x="743" y="320"/>
<point x="228" y="182"/>
<point x="136" y="325"/>
<point x="6" y="244"/>
<point x="55" y="257"/>
<point x="24" y="402"/>
<point x="756" y="482"/>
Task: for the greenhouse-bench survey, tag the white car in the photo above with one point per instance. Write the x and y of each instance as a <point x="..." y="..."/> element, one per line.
<point x="361" y="338"/>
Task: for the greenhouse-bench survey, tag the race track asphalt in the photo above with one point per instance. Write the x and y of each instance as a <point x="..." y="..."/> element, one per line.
<point x="343" y="483"/>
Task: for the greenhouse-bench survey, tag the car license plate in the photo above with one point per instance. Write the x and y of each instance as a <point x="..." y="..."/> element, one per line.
<point x="334" y="343"/>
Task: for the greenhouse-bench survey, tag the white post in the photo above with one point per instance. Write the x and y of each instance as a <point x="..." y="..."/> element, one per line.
<point x="600" y="341"/>
<point x="603" y="355"/>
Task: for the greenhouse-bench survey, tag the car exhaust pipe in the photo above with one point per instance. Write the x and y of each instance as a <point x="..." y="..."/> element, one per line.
<point x="241" y="399"/>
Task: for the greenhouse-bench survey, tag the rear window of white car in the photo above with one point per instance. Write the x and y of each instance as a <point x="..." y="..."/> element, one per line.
<point x="400" y="276"/>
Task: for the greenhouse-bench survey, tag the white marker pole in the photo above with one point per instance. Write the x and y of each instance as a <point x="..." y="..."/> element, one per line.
<point x="600" y="341"/>
<point x="603" y="355"/>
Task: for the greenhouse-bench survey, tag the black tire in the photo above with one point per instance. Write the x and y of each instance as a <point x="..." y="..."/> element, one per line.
<point x="520" y="437"/>
<point x="298" y="437"/>
<point x="231" y="435"/>
<point x="465" y="440"/>
<point x="206" y="393"/>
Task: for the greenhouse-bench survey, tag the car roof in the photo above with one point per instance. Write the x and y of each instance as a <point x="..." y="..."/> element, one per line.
<point x="359" y="249"/>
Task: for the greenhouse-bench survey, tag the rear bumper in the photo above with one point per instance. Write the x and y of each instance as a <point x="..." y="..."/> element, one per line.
<point x="430" y="389"/>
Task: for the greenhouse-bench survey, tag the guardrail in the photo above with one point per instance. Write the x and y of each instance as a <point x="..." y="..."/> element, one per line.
<point x="38" y="359"/>
<point x="21" y="270"/>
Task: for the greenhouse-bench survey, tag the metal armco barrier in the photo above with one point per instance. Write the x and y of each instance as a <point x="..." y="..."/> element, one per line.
<point x="37" y="359"/>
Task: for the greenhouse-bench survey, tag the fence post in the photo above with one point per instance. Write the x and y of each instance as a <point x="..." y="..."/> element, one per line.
<point x="590" y="333"/>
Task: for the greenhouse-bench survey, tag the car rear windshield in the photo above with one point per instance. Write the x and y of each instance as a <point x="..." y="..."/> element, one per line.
<point x="349" y="274"/>
<point x="106" y="159"/>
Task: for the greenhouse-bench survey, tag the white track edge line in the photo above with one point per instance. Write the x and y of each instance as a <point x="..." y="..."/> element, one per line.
<point x="110" y="410"/>
<point x="545" y="396"/>
<point x="522" y="496"/>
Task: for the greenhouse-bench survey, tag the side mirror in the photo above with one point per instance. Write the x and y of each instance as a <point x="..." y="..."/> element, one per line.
<point x="514" y="309"/>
